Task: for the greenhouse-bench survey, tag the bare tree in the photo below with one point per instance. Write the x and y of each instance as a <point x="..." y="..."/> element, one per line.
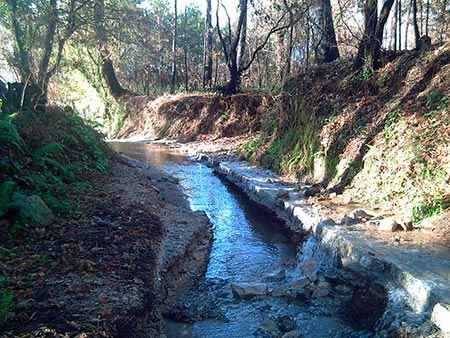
<point x="234" y="45"/>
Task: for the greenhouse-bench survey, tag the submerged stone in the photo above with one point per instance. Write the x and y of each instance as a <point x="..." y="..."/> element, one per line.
<point x="286" y="323"/>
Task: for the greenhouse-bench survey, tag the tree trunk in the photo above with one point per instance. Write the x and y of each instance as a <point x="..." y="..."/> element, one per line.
<point x="394" y="30"/>
<point x="114" y="87"/>
<point x="369" y="51"/>
<point x="326" y="50"/>
<point x="242" y="32"/>
<point x="399" y="24"/>
<point x="415" y="24"/>
<point x="366" y="45"/>
<point x="174" y="47"/>
<point x="208" y="48"/>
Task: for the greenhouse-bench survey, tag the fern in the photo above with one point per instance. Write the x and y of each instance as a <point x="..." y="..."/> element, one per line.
<point x="6" y="191"/>
<point x="49" y="150"/>
<point x="6" y="204"/>
<point x="9" y="133"/>
<point x="45" y="155"/>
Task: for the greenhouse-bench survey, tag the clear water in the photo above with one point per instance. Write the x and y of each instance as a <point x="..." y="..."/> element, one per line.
<point x="248" y="247"/>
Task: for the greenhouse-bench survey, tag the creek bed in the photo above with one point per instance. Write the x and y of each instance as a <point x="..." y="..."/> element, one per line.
<point x="249" y="247"/>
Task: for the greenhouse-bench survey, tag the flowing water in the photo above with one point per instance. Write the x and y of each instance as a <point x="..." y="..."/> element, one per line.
<point x="248" y="246"/>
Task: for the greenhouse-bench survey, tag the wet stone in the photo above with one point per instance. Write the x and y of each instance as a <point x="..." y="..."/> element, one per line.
<point x="248" y="290"/>
<point x="268" y="329"/>
<point x="293" y="334"/>
<point x="276" y="276"/>
<point x="286" y="323"/>
<point x="295" y="285"/>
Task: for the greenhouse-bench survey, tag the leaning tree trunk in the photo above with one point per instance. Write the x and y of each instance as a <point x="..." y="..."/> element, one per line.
<point x="109" y="74"/>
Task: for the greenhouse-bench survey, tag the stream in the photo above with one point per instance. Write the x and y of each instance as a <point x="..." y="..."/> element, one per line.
<point x="249" y="247"/>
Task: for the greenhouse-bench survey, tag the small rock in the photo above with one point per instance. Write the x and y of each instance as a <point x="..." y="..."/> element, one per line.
<point x="102" y="223"/>
<point x="293" y="334"/>
<point x="373" y="222"/>
<point x="441" y="316"/>
<point x="295" y="285"/>
<point x="322" y="290"/>
<point x="268" y="329"/>
<point x="312" y="191"/>
<point x="301" y="295"/>
<point x="388" y="224"/>
<point x="248" y="290"/>
<point x="282" y="193"/>
<point x="286" y="324"/>
<point x="360" y="214"/>
<point x="348" y="221"/>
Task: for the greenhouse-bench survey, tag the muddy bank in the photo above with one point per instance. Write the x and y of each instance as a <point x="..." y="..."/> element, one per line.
<point x="398" y="282"/>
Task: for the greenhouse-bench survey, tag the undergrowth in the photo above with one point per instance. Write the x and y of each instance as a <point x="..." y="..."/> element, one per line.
<point x="47" y="154"/>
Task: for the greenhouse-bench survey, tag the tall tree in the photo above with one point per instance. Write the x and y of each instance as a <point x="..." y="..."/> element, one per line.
<point x="208" y="48"/>
<point x="369" y="50"/>
<point x="399" y="20"/>
<point x="326" y="49"/>
<point x="174" y="46"/>
<point x="415" y="24"/>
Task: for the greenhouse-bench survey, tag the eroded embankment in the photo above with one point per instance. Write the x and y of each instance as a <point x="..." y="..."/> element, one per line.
<point x="397" y="288"/>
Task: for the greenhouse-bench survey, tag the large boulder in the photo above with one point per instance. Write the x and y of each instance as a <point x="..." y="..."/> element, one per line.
<point x="36" y="211"/>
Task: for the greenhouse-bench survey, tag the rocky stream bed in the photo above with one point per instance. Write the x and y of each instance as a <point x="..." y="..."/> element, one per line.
<point x="354" y="277"/>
